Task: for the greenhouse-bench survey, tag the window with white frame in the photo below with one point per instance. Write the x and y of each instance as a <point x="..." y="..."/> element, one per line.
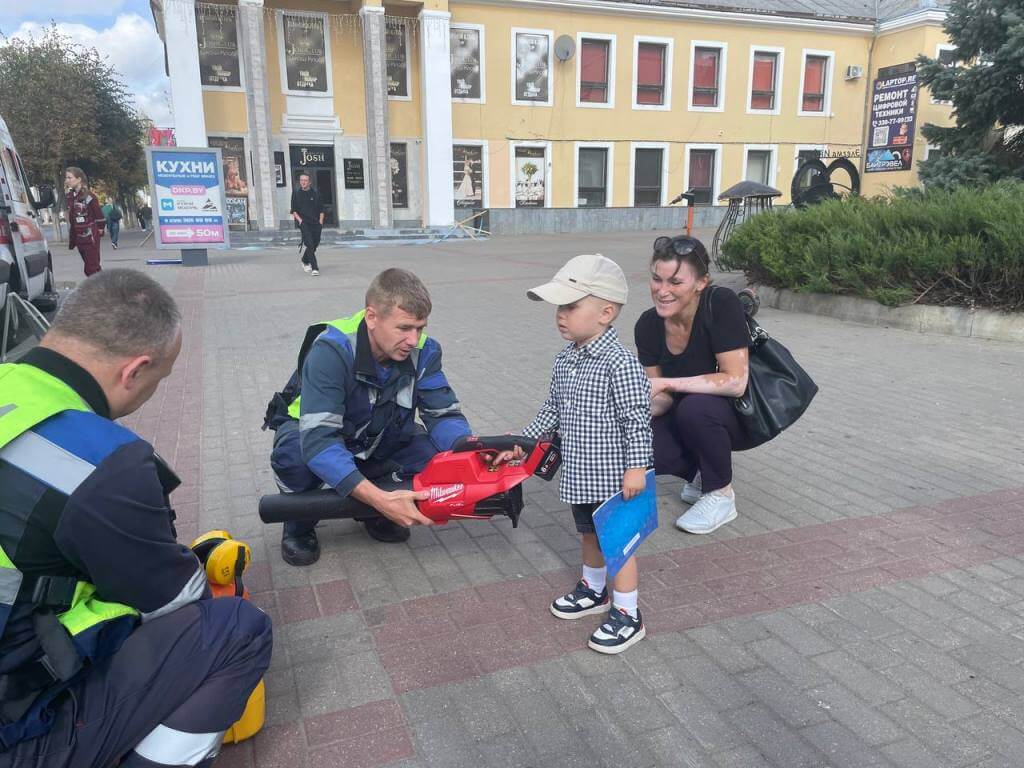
<point x="803" y="154"/>
<point x="648" y="166"/>
<point x="707" y="76"/>
<point x="764" y="77"/>
<point x="595" y="70"/>
<point x="652" y="71"/>
<point x="592" y="177"/>
<point x="701" y="175"/>
<point x="759" y="166"/>
<point x="814" y="83"/>
<point x="946" y="54"/>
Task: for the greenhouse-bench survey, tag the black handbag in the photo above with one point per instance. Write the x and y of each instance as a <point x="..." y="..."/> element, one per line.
<point x="778" y="389"/>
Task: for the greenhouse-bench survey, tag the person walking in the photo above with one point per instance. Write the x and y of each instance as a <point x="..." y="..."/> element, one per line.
<point x="308" y="212"/>
<point x="85" y="219"/>
<point x="112" y="213"/>
<point x="145" y="213"/>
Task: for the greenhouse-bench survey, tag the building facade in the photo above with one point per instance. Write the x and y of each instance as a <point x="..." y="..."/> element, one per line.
<point x="418" y="113"/>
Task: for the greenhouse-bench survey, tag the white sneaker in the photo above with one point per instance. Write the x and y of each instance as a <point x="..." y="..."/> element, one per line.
<point x="691" y="491"/>
<point x="711" y="512"/>
<point x="306" y="268"/>
<point x="315" y="272"/>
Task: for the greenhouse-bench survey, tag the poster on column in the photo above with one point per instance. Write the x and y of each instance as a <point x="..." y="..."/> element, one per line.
<point x="468" y="175"/>
<point x="399" y="176"/>
<point x="397" y="58"/>
<point x="217" y="35"/>
<point x="236" y="185"/>
<point x="465" y="63"/>
<point x="893" y="108"/>
<point x="305" y="53"/>
<point x="531" y="170"/>
<point x="533" y="67"/>
<point x="187" y="187"/>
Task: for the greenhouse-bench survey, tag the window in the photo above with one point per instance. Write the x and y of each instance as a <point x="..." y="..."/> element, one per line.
<point x="592" y="177"/>
<point x="947" y="56"/>
<point x="647" y="172"/>
<point x="706" y="65"/>
<point x="701" y="175"/>
<point x="813" y="97"/>
<point x="802" y="155"/>
<point x="932" y="151"/>
<point x="759" y="166"/>
<point x="652" y="66"/>
<point x="595" y="66"/>
<point x="762" y="81"/>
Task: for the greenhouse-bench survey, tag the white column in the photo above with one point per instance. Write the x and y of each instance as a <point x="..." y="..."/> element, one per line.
<point x="436" y="96"/>
<point x="378" y="142"/>
<point x="182" y="48"/>
<point x="254" y="60"/>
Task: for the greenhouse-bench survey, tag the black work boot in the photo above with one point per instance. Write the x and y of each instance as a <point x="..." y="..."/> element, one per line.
<point x="382" y="529"/>
<point x="300" y="549"/>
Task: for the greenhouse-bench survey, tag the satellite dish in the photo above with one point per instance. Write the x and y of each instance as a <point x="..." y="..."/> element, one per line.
<point x="565" y="47"/>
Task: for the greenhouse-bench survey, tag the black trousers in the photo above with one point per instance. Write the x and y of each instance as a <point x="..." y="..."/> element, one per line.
<point x="310" y="241"/>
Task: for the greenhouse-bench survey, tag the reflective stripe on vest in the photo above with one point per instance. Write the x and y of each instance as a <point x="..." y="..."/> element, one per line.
<point x="28" y="397"/>
<point x="348" y="326"/>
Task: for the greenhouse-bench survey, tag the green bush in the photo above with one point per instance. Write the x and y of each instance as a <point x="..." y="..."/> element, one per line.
<point x="961" y="247"/>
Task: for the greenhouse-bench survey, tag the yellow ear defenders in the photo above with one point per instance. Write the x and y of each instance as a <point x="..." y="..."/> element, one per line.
<point x="224" y="558"/>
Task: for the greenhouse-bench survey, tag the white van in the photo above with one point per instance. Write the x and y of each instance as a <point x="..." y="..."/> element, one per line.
<point x="25" y="264"/>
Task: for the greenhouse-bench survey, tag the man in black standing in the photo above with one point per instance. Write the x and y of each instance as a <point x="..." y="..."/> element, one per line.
<point x="308" y="212"/>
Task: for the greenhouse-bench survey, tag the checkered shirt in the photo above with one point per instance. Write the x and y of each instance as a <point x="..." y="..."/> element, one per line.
<point x="600" y="404"/>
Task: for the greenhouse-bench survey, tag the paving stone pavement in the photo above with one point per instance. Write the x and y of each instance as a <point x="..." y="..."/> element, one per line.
<point x="865" y="609"/>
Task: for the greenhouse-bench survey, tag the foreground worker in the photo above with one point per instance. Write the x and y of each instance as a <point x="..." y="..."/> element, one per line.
<point x="110" y="648"/>
<point x="347" y="416"/>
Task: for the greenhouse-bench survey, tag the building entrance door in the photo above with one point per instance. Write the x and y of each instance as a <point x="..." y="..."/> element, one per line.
<point x="318" y="162"/>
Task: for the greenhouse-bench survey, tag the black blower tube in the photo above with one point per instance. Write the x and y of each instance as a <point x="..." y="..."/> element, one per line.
<point x="318" y="505"/>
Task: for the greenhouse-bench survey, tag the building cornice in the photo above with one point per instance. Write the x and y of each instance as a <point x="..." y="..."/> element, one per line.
<point x="928" y="16"/>
<point x="691" y="14"/>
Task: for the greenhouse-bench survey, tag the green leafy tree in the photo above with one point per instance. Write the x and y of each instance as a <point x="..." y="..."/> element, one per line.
<point x="986" y="87"/>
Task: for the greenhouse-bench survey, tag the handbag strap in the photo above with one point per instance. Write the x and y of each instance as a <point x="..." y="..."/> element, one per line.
<point x="758" y="335"/>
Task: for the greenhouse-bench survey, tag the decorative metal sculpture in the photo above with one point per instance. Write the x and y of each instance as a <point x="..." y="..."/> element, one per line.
<point x="746" y="199"/>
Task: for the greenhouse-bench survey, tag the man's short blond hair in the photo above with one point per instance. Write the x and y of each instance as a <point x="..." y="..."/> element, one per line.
<point x="399" y="288"/>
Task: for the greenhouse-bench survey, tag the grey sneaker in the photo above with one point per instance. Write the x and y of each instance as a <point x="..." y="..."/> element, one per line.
<point x="711" y="512"/>
<point x="691" y="491"/>
<point x="315" y="272"/>
<point x="306" y="267"/>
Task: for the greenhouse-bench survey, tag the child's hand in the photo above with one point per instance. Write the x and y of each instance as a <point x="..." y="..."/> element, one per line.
<point x="516" y="454"/>
<point x="633" y="482"/>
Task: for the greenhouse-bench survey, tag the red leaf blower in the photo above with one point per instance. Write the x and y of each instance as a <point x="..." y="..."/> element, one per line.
<point x="461" y="482"/>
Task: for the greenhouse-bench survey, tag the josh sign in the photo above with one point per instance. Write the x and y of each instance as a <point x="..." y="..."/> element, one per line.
<point x="188" y="197"/>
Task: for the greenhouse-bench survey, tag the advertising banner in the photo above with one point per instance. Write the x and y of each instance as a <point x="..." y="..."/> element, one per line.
<point x="188" y="197"/>
<point x="533" y="66"/>
<point x="396" y="57"/>
<point x="232" y="149"/>
<point x="217" y="34"/>
<point x="893" y="115"/>
<point x="531" y="165"/>
<point x="399" y="176"/>
<point x="465" y="63"/>
<point x="305" y="53"/>
<point x="468" y="177"/>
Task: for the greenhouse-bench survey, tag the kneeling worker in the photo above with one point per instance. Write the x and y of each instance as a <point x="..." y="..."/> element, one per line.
<point x="348" y="415"/>
<point x="110" y="650"/>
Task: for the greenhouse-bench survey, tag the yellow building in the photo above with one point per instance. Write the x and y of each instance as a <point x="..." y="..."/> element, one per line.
<point x="418" y="112"/>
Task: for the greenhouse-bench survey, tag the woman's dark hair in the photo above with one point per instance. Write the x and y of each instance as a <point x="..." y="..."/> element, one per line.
<point x="682" y="249"/>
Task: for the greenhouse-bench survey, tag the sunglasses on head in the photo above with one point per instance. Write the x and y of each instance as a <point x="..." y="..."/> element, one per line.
<point x="678" y="247"/>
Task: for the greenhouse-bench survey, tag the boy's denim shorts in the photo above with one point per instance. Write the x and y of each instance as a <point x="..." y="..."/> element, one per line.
<point x="583" y="514"/>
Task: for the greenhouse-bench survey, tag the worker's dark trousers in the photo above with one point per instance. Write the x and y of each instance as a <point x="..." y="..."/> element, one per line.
<point x="310" y="242"/>
<point x="165" y="698"/>
<point x="90" y="254"/>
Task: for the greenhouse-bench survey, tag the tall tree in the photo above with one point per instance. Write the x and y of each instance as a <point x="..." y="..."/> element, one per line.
<point x="986" y="86"/>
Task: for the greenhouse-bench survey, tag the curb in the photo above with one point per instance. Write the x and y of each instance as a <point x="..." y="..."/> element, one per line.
<point x="948" y="321"/>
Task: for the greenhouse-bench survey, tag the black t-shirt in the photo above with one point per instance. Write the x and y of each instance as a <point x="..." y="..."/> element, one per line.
<point x="306" y="203"/>
<point x="718" y="327"/>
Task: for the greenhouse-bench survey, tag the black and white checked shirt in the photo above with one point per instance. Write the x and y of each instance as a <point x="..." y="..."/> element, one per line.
<point x="600" y="404"/>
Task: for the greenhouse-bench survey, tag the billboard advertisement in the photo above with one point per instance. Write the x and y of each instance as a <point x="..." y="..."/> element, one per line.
<point x="187" y="186"/>
<point x="893" y="114"/>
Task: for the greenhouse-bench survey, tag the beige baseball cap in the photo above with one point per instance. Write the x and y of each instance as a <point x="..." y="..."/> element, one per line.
<point x="588" y="275"/>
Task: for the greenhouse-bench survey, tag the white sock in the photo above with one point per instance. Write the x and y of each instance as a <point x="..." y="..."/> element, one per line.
<point x="626" y="601"/>
<point x="595" y="577"/>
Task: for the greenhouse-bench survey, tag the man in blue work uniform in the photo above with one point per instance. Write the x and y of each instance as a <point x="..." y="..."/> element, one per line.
<point x="347" y="417"/>
<point x="111" y="651"/>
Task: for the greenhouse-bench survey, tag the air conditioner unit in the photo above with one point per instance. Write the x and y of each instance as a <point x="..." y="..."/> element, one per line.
<point x="854" y="71"/>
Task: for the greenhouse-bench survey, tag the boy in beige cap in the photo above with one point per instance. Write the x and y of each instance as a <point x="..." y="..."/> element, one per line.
<point x="600" y="404"/>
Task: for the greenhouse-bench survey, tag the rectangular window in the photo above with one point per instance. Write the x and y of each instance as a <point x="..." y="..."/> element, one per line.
<point x="650" y="73"/>
<point x="706" y="66"/>
<point x="647" y="176"/>
<point x="762" y="89"/>
<point x="594" y="63"/>
<point x="810" y="177"/>
<point x="815" y="78"/>
<point x="759" y="163"/>
<point x="702" y="175"/>
<point x="947" y="56"/>
<point x="592" y="184"/>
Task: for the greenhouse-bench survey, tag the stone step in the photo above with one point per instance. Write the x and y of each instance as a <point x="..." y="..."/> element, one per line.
<point x="342" y="236"/>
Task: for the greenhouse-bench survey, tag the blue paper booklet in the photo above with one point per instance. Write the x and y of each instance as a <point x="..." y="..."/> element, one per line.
<point x="621" y="525"/>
